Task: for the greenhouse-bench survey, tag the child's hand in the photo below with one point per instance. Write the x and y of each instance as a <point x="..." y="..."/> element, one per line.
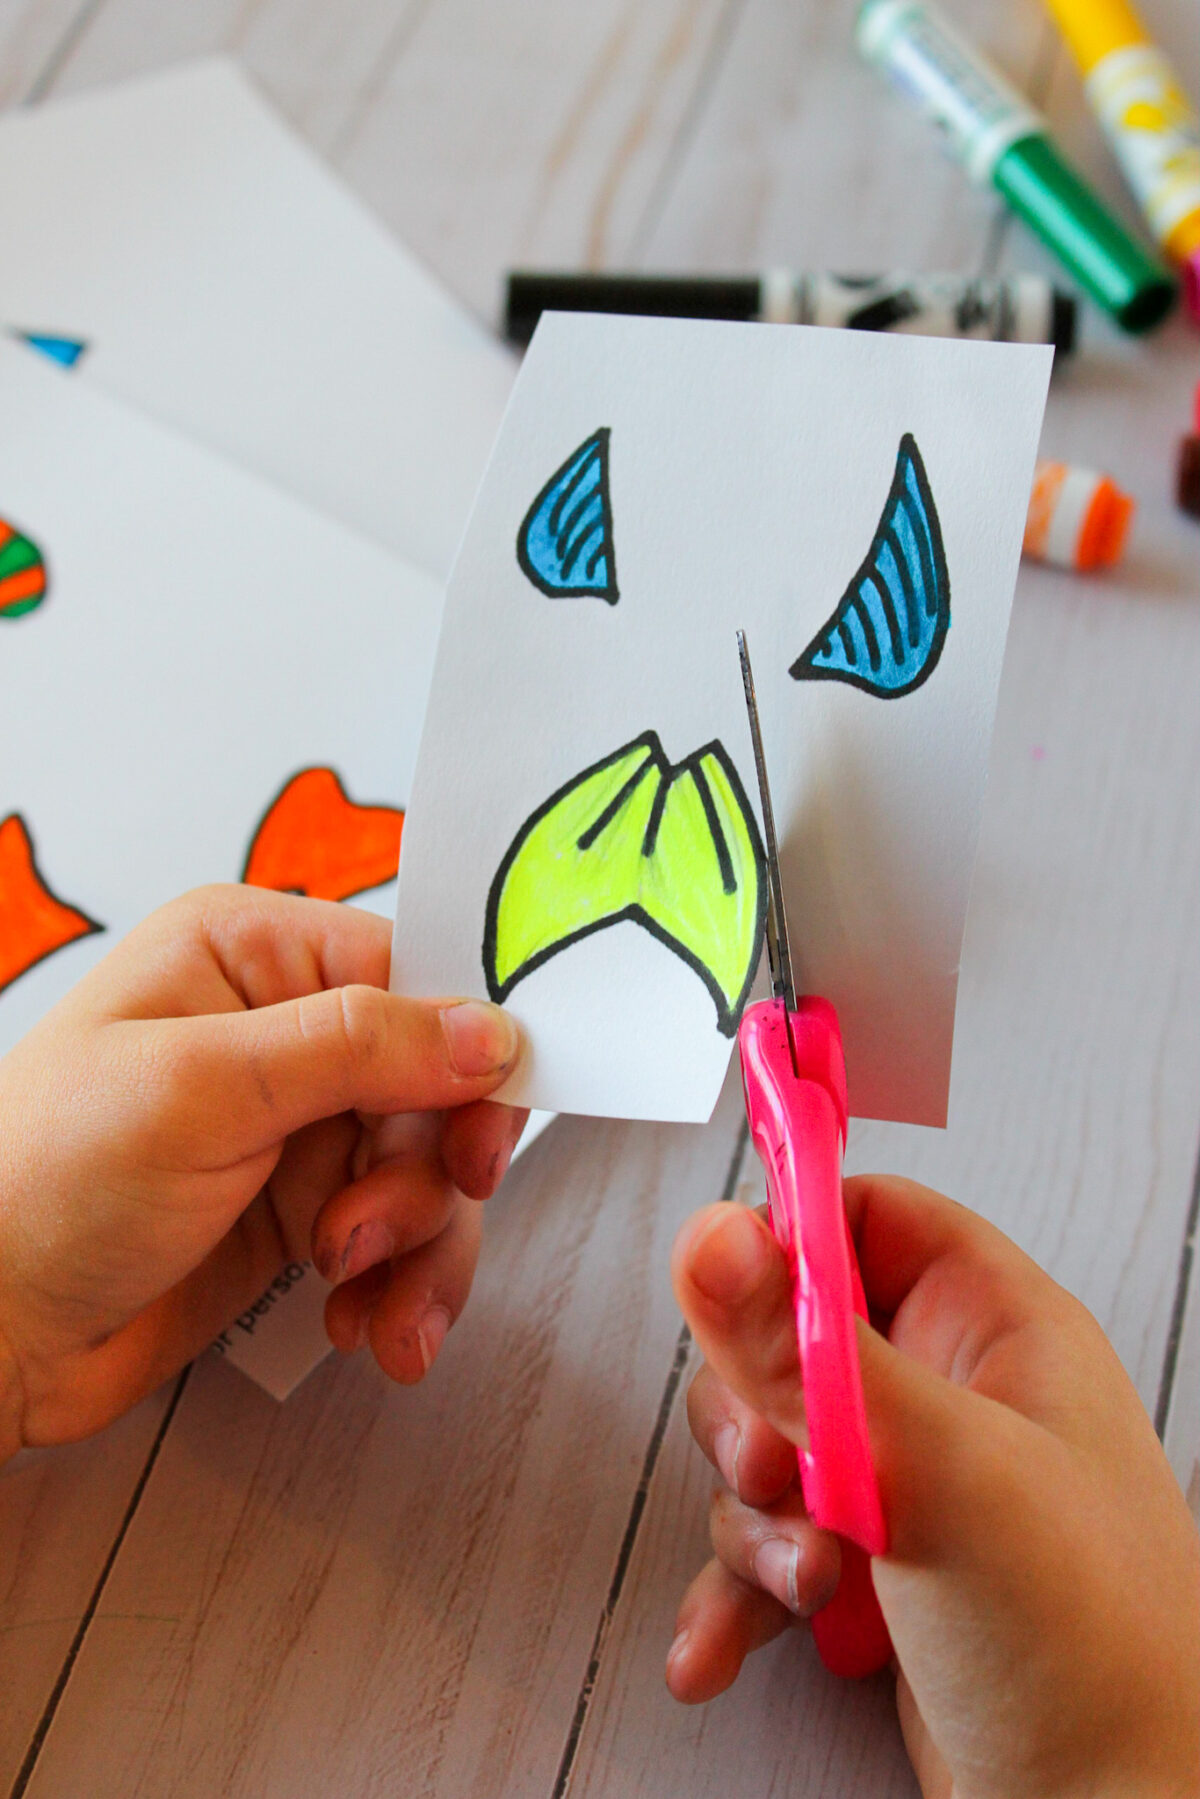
<point x="1042" y="1587"/>
<point x="220" y="1095"/>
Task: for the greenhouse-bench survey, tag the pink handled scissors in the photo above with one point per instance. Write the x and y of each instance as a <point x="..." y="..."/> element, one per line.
<point x="794" y="1075"/>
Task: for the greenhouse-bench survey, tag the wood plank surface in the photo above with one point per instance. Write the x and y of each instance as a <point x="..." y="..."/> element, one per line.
<point x="483" y="133"/>
<point x="313" y="60"/>
<point x="35" y="35"/>
<point x="531" y="133"/>
<point x="787" y="1729"/>
<point x="802" y="158"/>
<point x="60" y="1512"/>
<point x="377" y="1591"/>
<point x="371" y="1590"/>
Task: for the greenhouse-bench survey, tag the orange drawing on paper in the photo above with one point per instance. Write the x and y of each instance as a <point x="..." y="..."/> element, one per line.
<point x="33" y="922"/>
<point x="315" y="841"/>
<point x="22" y="572"/>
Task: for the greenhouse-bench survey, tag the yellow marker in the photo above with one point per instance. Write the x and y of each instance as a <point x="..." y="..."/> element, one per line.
<point x="1149" y="122"/>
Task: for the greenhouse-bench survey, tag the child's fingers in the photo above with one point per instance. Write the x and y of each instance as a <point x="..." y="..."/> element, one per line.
<point x="268" y="1072"/>
<point x="903" y="1230"/>
<point x="964" y="1301"/>
<point x="732" y="1285"/>
<point x="348" y="1308"/>
<point x="393" y="1209"/>
<point x="405" y="1197"/>
<point x="755" y="1462"/>
<point x="281" y="945"/>
<point x="315" y="1165"/>
<point x="478" y="1142"/>
<point x="223" y="947"/>
<point x="778" y="1548"/>
<point x="720" y="1621"/>
<point x="731" y="1282"/>
<point x="425" y="1294"/>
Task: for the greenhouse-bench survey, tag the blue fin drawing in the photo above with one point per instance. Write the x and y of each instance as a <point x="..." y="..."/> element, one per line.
<point x="890" y="624"/>
<point x="565" y="544"/>
<point x="66" y="351"/>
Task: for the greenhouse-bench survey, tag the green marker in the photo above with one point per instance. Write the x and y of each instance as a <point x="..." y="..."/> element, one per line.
<point x="993" y="131"/>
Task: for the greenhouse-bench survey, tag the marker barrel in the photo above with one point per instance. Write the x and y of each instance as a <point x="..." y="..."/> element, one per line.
<point x="1078" y="518"/>
<point x="992" y="130"/>
<point x="1023" y="309"/>
<point x="1149" y="122"/>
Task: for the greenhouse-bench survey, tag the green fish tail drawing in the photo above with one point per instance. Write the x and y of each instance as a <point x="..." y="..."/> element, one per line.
<point x="673" y="847"/>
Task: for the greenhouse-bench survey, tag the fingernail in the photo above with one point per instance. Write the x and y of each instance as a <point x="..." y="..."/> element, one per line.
<point x="727" y="1446"/>
<point x="732" y="1257"/>
<point x="480" y="1038"/>
<point x="431" y="1334"/>
<point x="678" y="1647"/>
<point x="776" y="1564"/>
<point x="368" y="1243"/>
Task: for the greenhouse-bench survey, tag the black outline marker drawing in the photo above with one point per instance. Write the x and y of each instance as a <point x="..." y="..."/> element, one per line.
<point x="665" y="845"/>
<point x="887" y="632"/>
<point x="566" y="537"/>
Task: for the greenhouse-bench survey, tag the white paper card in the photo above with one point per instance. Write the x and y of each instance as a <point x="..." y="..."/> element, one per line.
<point x="203" y="642"/>
<point x="202" y="639"/>
<point x="657" y="484"/>
<point x="227" y="283"/>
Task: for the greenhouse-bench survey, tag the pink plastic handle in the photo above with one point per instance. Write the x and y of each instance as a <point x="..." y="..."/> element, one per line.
<point x="797" y="1116"/>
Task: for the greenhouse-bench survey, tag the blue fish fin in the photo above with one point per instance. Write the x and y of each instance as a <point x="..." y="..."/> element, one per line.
<point x="889" y="627"/>
<point x="565" y="544"/>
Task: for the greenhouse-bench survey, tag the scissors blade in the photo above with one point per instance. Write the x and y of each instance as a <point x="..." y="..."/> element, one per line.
<point x="778" y="948"/>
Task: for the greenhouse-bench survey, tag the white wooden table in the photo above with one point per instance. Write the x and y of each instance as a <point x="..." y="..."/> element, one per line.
<point x="468" y="1590"/>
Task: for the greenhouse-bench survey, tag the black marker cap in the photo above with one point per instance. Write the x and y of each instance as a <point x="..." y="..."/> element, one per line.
<point x="530" y="292"/>
<point x="1064" y="314"/>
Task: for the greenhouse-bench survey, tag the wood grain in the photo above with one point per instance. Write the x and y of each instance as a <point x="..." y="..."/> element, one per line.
<point x="314" y="61"/>
<point x="530" y="134"/>
<point x="60" y="1512"/>
<point x="787" y="1729"/>
<point x="485" y="134"/>
<point x="374" y="1591"/>
<point x="34" y="35"/>
<point x="802" y="158"/>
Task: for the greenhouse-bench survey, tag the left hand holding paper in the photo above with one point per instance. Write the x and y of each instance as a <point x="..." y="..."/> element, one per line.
<point x="231" y="1088"/>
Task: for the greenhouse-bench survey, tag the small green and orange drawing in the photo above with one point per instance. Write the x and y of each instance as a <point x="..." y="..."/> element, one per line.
<point x="34" y="922"/>
<point x="673" y="847"/>
<point x="313" y="840"/>
<point x="22" y="572"/>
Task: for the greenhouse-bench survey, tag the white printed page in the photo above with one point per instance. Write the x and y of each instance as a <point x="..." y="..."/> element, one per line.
<point x="213" y="272"/>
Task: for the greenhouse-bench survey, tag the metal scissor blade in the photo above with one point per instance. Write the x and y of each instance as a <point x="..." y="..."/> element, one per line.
<point x="778" y="948"/>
